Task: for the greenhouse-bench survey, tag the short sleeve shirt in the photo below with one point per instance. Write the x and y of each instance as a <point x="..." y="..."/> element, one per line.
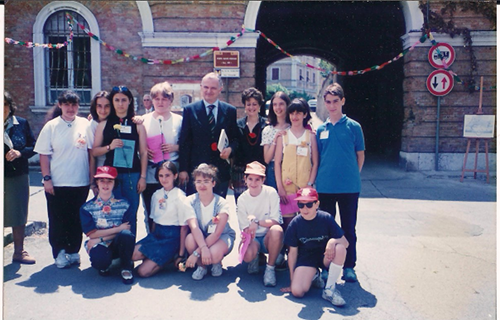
<point x="170" y="208"/>
<point x="311" y="236"/>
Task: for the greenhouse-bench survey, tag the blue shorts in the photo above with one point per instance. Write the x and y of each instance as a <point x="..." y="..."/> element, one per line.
<point x="310" y="259"/>
<point x="262" y="247"/>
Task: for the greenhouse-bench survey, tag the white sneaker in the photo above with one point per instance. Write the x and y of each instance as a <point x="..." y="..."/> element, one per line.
<point x="317" y="281"/>
<point x="62" y="260"/>
<point x="269" y="277"/>
<point x="74" y="258"/>
<point x="253" y="266"/>
<point x="217" y="269"/>
<point x="199" y="273"/>
<point x="333" y="295"/>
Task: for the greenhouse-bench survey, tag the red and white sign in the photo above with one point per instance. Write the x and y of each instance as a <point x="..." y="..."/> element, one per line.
<point x="440" y="82"/>
<point x="448" y="54"/>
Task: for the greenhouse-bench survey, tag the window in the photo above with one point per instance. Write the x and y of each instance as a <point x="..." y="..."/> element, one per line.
<point x="275" y="74"/>
<point x="300" y="75"/>
<point x="76" y="67"/>
<point x="307" y="76"/>
<point x="70" y="66"/>
<point x="314" y="77"/>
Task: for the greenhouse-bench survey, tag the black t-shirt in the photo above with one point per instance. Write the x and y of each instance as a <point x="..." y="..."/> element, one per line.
<point x="312" y="235"/>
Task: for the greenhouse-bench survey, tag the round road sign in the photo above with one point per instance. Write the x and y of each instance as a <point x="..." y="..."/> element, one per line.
<point x="448" y="54"/>
<point x="440" y="82"/>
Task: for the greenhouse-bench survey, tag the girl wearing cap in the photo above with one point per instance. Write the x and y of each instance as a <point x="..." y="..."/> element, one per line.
<point x="64" y="162"/>
<point x="259" y="217"/>
<point x="315" y="240"/>
<point x="162" y="129"/>
<point x="107" y="220"/>
<point x="296" y="158"/>
<point x="171" y="214"/>
<point x="212" y="212"/>
<point x="122" y="140"/>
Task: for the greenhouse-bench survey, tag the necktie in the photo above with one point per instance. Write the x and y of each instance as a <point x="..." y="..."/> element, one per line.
<point x="211" y="119"/>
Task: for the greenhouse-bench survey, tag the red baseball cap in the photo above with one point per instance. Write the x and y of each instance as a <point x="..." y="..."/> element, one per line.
<point x="307" y="194"/>
<point x="106" y="172"/>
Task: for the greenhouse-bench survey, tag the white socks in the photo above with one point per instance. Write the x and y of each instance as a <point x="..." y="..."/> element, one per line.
<point x="333" y="274"/>
<point x="270" y="267"/>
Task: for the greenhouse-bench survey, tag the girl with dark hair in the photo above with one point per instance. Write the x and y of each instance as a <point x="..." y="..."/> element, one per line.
<point x="296" y="158"/>
<point x="100" y="108"/>
<point x="18" y="142"/>
<point x="276" y="128"/>
<point x="64" y="162"/>
<point x="122" y="140"/>
<point x="249" y="138"/>
<point x="171" y="216"/>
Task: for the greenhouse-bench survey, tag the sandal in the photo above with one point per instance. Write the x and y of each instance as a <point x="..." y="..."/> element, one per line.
<point x="127" y="276"/>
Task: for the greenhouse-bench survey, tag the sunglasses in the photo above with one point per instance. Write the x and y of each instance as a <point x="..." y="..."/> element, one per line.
<point x="308" y="204"/>
<point x="120" y="89"/>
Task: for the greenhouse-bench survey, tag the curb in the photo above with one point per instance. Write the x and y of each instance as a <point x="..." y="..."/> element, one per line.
<point x="30" y="229"/>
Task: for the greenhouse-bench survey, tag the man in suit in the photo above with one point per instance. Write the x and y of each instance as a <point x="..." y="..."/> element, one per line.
<point x="147" y="105"/>
<point x="202" y="122"/>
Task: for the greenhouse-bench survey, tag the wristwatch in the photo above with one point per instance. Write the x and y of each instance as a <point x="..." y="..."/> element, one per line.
<point x="196" y="254"/>
<point x="47" y="178"/>
<point x="256" y="221"/>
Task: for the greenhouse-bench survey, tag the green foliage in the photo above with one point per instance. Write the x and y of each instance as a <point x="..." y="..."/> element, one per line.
<point x="327" y="66"/>
<point x="271" y="89"/>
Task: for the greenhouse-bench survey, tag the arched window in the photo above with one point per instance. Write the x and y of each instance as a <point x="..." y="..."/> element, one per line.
<point x="76" y="67"/>
<point x="70" y="66"/>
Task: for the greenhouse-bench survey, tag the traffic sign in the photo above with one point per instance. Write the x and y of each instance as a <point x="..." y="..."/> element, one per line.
<point x="448" y="54"/>
<point x="440" y="82"/>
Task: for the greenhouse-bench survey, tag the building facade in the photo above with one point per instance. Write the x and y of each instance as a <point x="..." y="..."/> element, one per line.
<point x="141" y="43"/>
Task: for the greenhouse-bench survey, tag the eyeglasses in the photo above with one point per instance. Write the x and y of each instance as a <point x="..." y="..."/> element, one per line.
<point x="120" y="89"/>
<point x="206" y="181"/>
<point x="308" y="204"/>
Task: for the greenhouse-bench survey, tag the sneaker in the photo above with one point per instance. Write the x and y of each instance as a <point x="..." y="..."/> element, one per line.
<point x="127" y="276"/>
<point x="333" y="295"/>
<point x="74" y="258"/>
<point x="199" y="273"/>
<point x="349" y="275"/>
<point x="269" y="278"/>
<point x="317" y="281"/>
<point x="62" y="260"/>
<point x="217" y="269"/>
<point x="253" y="266"/>
<point x="23" y="257"/>
<point x="281" y="264"/>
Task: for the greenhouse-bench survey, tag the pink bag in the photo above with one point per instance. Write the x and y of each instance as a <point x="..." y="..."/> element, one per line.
<point x="244" y="245"/>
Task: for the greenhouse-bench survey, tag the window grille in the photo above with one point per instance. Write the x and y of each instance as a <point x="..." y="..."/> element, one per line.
<point x="70" y="66"/>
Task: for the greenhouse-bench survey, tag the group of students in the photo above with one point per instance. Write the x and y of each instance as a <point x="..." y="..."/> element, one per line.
<point x="276" y="161"/>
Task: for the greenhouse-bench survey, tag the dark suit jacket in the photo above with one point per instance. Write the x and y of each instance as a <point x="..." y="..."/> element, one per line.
<point x="195" y="139"/>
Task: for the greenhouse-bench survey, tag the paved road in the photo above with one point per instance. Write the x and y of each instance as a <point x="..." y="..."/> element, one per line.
<point x="426" y="250"/>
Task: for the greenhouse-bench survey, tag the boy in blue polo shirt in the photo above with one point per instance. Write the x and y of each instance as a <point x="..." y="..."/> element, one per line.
<point x="341" y="148"/>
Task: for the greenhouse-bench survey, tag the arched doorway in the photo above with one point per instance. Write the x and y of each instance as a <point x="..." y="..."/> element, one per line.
<point x="351" y="35"/>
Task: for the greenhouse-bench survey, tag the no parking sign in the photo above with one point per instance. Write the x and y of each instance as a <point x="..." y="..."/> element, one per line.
<point x="440" y="82"/>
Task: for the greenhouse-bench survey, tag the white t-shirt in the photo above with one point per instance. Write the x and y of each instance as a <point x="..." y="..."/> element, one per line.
<point x="264" y="206"/>
<point x="67" y="151"/>
<point x="170" y="208"/>
<point x="171" y="129"/>
<point x="90" y="137"/>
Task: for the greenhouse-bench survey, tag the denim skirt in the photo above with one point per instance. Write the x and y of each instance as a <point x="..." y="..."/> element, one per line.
<point x="162" y="245"/>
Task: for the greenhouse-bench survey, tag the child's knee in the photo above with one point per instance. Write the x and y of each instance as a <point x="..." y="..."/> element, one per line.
<point x="144" y="271"/>
<point x="297" y="291"/>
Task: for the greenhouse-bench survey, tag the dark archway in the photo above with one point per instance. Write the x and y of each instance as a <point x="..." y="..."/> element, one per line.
<point x="352" y="35"/>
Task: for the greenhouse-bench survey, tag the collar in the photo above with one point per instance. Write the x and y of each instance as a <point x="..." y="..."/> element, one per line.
<point x="216" y="103"/>
<point x="343" y="119"/>
<point x="98" y="199"/>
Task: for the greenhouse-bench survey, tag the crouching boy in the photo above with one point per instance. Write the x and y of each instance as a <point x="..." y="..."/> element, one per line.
<point x="315" y="240"/>
<point x="259" y="216"/>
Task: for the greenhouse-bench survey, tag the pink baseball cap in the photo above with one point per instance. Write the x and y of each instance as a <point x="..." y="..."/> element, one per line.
<point x="307" y="194"/>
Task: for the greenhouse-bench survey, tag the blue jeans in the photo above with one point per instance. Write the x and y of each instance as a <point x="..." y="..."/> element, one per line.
<point x="126" y="188"/>
<point x="348" y="208"/>
<point x="270" y="176"/>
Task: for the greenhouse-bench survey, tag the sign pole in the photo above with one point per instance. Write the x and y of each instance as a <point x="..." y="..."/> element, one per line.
<point x="227" y="90"/>
<point x="436" y="160"/>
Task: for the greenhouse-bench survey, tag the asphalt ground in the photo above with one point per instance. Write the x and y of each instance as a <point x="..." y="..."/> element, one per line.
<point x="426" y="250"/>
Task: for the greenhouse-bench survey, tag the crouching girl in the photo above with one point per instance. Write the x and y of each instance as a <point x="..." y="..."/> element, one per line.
<point x="106" y="221"/>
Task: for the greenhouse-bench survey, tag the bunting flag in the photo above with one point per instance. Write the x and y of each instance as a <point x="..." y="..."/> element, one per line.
<point x="233" y="39"/>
